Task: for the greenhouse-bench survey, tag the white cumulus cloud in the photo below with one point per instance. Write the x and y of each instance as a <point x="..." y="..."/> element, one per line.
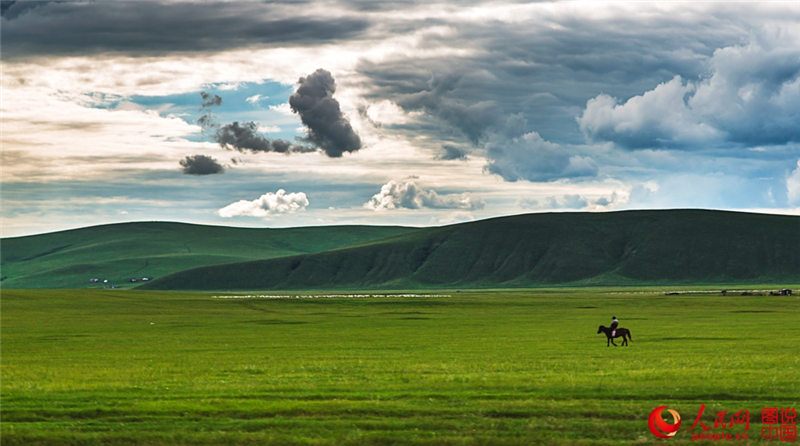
<point x="268" y="204"/>
<point x="407" y="194"/>
<point x="751" y="96"/>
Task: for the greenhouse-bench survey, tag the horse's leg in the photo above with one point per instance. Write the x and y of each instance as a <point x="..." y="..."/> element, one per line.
<point x="612" y="342"/>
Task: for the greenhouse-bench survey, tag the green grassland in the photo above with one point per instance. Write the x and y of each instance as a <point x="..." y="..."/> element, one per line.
<point x="482" y="367"/>
<point x="575" y="248"/>
<point x="533" y="250"/>
<point x="120" y="252"/>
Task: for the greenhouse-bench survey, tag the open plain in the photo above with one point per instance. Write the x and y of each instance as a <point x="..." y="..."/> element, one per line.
<point x="445" y="367"/>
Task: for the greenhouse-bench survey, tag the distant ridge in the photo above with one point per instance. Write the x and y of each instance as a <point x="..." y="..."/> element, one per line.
<point x="125" y="251"/>
<point x="615" y="248"/>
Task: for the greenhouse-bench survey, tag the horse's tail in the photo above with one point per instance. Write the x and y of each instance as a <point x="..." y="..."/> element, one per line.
<point x="629" y="336"/>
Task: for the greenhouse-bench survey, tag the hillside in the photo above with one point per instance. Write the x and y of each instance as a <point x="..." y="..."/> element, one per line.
<point x="120" y="252"/>
<point x="631" y="247"/>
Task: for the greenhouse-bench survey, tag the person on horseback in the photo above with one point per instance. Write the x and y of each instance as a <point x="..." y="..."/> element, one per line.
<point x="614" y="324"/>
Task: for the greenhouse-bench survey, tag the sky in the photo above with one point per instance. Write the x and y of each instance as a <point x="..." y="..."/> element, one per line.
<point x="271" y="114"/>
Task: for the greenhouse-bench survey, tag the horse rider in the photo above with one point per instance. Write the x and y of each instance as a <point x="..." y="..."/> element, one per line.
<point x="614" y="324"/>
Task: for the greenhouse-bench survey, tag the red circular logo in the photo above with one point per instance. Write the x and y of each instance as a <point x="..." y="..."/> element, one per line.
<point x="661" y="428"/>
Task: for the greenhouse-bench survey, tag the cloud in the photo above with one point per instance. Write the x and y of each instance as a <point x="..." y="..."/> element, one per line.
<point x="541" y="60"/>
<point x="793" y="186"/>
<point x="160" y="27"/>
<point x="268" y="204"/>
<point x="201" y="165"/>
<point x="751" y="97"/>
<point x="591" y="197"/>
<point x="209" y="100"/>
<point x="327" y="127"/>
<point x="451" y="152"/>
<point x="255" y="99"/>
<point x="207" y="120"/>
<point x="11" y="9"/>
<point x="658" y="118"/>
<point x="568" y="201"/>
<point x="442" y="98"/>
<point x="528" y="156"/>
<point x="386" y="112"/>
<point x="407" y="194"/>
<point x="245" y="137"/>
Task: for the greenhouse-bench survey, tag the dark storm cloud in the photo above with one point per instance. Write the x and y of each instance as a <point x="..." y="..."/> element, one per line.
<point x="245" y="137"/>
<point x="242" y="137"/>
<point x="546" y="68"/>
<point x="11" y="9"/>
<point x="201" y="165"/>
<point x="442" y="98"/>
<point x="148" y="27"/>
<point x="546" y="71"/>
<point x="327" y="127"/>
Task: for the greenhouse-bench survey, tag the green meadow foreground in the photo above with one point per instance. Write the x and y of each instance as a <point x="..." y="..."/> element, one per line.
<point x="504" y="367"/>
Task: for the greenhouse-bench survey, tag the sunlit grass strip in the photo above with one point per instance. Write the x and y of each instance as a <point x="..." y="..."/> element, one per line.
<point x="328" y="296"/>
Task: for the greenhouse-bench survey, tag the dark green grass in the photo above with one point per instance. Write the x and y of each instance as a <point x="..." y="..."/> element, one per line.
<point x="614" y="248"/>
<point x="492" y="367"/>
<point x="120" y="252"/>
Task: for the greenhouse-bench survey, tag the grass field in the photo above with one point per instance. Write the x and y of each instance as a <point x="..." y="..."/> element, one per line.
<point x="489" y="367"/>
<point x="120" y="252"/>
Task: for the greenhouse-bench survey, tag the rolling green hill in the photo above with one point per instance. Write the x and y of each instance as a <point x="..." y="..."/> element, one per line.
<point x="631" y="247"/>
<point x="120" y="252"/>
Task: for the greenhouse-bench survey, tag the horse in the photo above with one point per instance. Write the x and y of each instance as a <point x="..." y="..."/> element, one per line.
<point x="624" y="333"/>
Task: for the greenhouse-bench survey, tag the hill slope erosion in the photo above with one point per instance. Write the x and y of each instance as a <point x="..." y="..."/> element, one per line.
<point x="631" y="247"/>
<point x="121" y="252"/>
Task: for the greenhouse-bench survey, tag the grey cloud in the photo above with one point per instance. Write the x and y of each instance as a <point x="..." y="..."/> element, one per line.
<point x="544" y="69"/>
<point x="245" y="137"/>
<point x="327" y="127"/>
<point x="529" y="157"/>
<point x="207" y="120"/>
<point x="547" y="68"/>
<point x="451" y="152"/>
<point x="209" y="100"/>
<point x="442" y="98"/>
<point x="158" y="27"/>
<point x="12" y="9"/>
<point x="516" y="154"/>
<point x="201" y="165"/>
